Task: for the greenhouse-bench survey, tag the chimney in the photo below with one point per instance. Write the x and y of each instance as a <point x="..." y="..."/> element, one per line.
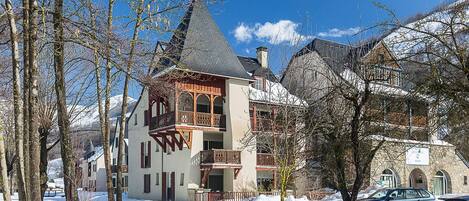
<point x="262" y="56"/>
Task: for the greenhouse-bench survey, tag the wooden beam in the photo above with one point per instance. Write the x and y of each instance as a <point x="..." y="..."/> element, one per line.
<point x="195" y="109"/>
<point x="211" y="110"/>
<point x="204" y="173"/>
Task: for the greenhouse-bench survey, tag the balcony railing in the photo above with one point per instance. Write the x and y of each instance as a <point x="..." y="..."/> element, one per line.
<point x="187" y="117"/>
<point x="265" y="159"/>
<point x="266" y="124"/>
<point x="125" y="169"/>
<point x="220" y="156"/>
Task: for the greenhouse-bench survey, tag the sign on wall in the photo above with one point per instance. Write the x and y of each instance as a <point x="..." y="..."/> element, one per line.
<point x="418" y="156"/>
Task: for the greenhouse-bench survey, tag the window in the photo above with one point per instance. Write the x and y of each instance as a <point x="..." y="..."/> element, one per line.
<point x="259" y="83"/>
<point x="465" y="180"/>
<point x="126" y="181"/>
<point x="388" y="179"/>
<point x="186" y="103"/>
<point x="146" y="183"/>
<point x="440" y="183"/>
<point x="114" y="161"/>
<point x="116" y="143"/>
<point x="145" y="154"/>
<point x="218" y="105"/>
<point x="411" y="194"/>
<point x="157" y="147"/>
<point x="203" y="104"/>
<point x="145" y="118"/>
<point x="135" y="119"/>
<point x="181" y="181"/>
<point x="381" y="58"/>
<point x="114" y="182"/>
<point x="162" y="106"/>
<point x="157" y="179"/>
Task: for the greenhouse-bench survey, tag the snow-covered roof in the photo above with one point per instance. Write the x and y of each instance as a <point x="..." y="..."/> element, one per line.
<point x="388" y="139"/>
<point x="404" y="41"/>
<point x="275" y="93"/>
<point x="99" y="151"/>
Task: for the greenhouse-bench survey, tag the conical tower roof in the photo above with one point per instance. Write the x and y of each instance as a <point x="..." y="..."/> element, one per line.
<point x="199" y="46"/>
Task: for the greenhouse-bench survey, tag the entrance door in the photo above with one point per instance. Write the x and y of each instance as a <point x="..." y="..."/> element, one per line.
<point x="417" y="179"/>
<point x="215" y="182"/>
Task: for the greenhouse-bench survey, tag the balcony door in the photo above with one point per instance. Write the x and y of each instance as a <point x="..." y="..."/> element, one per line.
<point x="215" y="183"/>
<point x="209" y="145"/>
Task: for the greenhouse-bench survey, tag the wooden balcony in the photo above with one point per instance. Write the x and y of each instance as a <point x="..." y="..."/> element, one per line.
<point x="264" y="124"/>
<point x="125" y="169"/>
<point x="220" y="157"/>
<point x="419" y="121"/>
<point x="265" y="159"/>
<point x="187" y="118"/>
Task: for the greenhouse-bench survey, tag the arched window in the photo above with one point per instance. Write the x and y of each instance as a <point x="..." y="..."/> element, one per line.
<point x="440" y="183"/>
<point x="203" y="104"/>
<point x="388" y="179"/>
<point x="186" y="103"/>
<point x="218" y="105"/>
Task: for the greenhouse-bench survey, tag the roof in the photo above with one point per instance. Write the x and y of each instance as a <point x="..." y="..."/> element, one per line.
<point x="333" y="53"/>
<point x="252" y="66"/>
<point x="198" y="45"/>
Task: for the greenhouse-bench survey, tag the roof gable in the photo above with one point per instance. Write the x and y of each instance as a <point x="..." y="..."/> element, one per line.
<point x="198" y="45"/>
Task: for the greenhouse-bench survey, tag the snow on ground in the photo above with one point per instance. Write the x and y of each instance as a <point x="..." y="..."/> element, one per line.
<point x="277" y="198"/>
<point x="361" y="195"/>
<point x="83" y="195"/>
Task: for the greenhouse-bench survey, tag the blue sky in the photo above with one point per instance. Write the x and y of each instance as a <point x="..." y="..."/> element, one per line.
<point x="277" y="24"/>
<point x="270" y="22"/>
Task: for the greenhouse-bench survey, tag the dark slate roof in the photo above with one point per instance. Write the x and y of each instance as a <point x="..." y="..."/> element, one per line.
<point x="252" y="65"/>
<point x="334" y="54"/>
<point x="199" y="46"/>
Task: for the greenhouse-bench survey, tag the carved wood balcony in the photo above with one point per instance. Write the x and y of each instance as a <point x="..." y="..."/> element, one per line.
<point x="220" y="157"/>
<point x="187" y="118"/>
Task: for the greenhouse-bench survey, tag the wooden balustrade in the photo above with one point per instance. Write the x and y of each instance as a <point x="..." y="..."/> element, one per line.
<point x="265" y="159"/>
<point x="203" y="119"/>
<point x="220" y="156"/>
<point x="187" y="117"/>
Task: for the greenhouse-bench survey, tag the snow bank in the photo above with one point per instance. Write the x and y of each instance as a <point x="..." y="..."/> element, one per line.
<point x="361" y="195"/>
<point x="277" y="198"/>
<point x="83" y="195"/>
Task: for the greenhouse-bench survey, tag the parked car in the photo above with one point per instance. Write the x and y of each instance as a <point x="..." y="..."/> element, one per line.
<point x="407" y="194"/>
<point x="457" y="198"/>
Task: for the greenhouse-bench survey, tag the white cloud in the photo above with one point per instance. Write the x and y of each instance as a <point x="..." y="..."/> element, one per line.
<point x="247" y="50"/>
<point x="336" y="33"/>
<point x="283" y="31"/>
<point x="243" y="33"/>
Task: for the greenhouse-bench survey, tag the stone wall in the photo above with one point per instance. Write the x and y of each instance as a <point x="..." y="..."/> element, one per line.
<point x="442" y="157"/>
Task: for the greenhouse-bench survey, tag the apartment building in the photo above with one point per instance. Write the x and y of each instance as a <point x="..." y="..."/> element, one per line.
<point x="413" y="154"/>
<point x="186" y="132"/>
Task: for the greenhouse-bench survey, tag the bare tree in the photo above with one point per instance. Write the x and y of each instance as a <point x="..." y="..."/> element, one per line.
<point x="17" y="102"/>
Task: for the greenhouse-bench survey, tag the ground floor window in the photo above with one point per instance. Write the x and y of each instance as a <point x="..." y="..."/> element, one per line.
<point x="265" y="184"/>
<point x="440" y="183"/>
<point x="388" y="179"/>
<point x="146" y="183"/>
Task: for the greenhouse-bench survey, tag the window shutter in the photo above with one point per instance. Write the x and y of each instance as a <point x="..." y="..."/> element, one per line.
<point x="149" y="154"/>
<point x="145" y="118"/>
<point x="142" y="150"/>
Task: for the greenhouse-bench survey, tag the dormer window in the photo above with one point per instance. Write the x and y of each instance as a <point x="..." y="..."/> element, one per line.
<point x="381" y="58"/>
<point x="259" y="83"/>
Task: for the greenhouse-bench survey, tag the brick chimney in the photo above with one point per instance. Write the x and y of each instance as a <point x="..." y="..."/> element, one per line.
<point x="262" y="56"/>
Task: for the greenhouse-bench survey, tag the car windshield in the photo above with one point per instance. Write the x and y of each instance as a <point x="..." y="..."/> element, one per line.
<point x="379" y="194"/>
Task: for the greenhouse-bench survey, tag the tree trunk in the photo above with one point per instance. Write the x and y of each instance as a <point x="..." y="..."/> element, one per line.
<point x="3" y="169"/>
<point x="17" y="102"/>
<point x="66" y="147"/>
<point x="107" y="128"/>
<point x="34" y="146"/>
<point x="122" y="129"/>
<point x="44" y="133"/>
<point x="24" y="193"/>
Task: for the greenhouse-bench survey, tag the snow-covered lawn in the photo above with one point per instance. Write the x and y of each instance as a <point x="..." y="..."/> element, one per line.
<point x="102" y="196"/>
<point x="84" y="196"/>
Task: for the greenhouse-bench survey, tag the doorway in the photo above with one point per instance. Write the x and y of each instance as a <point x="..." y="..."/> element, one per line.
<point x="417" y="179"/>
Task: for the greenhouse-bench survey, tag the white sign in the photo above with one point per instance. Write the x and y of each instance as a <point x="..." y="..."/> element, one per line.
<point x="418" y="156"/>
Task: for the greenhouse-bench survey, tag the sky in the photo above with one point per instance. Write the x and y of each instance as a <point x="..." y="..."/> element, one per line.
<point x="285" y="26"/>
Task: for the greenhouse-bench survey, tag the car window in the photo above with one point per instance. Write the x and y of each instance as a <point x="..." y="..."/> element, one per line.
<point x="411" y="194"/>
<point x="379" y="194"/>
<point x="397" y="195"/>
<point x="424" y="193"/>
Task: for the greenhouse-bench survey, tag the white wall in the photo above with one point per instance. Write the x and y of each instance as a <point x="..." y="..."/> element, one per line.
<point x="237" y="127"/>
